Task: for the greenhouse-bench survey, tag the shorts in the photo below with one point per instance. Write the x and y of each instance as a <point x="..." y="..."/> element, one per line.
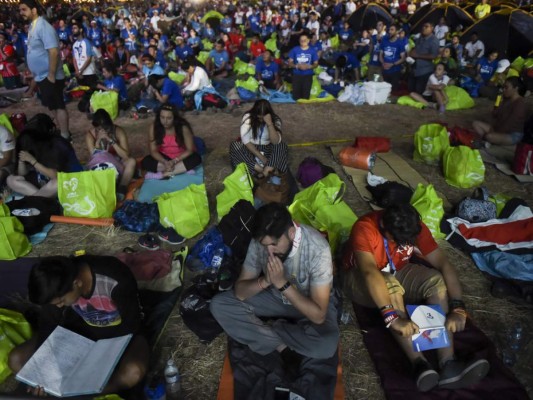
<point x="517" y="137"/>
<point x="52" y="94"/>
<point x="414" y="282"/>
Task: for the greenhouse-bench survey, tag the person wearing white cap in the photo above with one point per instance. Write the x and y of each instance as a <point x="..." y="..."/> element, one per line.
<point x="491" y="89"/>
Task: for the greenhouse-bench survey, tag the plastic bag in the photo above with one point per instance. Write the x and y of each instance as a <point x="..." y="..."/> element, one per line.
<point x="237" y="186"/>
<point x="107" y="101"/>
<point x="431" y="140"/>
<point x="463" y="167"/>
<point x="14" y="330"/>
<point x="429" y="205"/>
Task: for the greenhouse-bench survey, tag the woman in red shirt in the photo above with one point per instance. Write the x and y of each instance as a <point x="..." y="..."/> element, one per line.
<point x="8" y="67"/>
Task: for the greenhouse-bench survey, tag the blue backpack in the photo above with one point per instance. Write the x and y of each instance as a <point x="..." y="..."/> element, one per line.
<point x="137" y="217"/>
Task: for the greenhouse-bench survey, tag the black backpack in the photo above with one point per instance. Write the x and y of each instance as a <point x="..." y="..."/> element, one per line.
<point x="389" y="193"/>
<point x="34" y="212"/>
<point x="236" y="226"/>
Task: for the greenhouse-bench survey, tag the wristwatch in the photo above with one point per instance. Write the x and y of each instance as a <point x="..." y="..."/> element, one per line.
<point x="285" y="287"/>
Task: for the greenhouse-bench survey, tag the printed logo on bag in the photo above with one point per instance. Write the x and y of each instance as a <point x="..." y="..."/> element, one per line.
<point x="427" y="146"/>
<point x="71" y="185"/>
<point x="78" y="208"/>
<point x="475" y="177"/>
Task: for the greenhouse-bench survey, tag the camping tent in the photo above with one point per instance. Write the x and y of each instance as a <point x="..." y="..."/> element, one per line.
<point x="470" y="7"/>
<point x="510" y="31"/>
<point x="434" y="12"/>
<point x="213" y="18"/>
<point x="368" y="16"/>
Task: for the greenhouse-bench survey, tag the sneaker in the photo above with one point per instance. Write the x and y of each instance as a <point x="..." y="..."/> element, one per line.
<point x="154" y="175"/>
<point x="149" y="242"/>
<point x="426" y="377"/>
<point x="169" y="235"/>
<point x="457" y="374"/>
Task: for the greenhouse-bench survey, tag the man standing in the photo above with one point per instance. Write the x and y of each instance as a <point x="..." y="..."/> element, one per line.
<point x="302" y="59"/>
<point x="392" y="56"/>
<point x="425" y="51"/>
<point x="287" y="275"/>
<point x="378" y="272"/>
<point x="44" y="62"/>
<point x="83" y="54"/>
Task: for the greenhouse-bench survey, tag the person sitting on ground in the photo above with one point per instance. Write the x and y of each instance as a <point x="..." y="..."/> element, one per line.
<point x="267" y="71"/>
<point x="218" y="61"/>
<point x="7" y="154"/>
<point x="108" y="145"/>
<point x="437" y="82"/>
<point x="287" y="275"/>
<point x="94" y="296"/>
<point x="261" y="146"/>
<point x="8" y="64"/>
<point x="121" y="55"/>
<point x="165" y="91"/>
<point x="507" y="127"/>
<point x="257" y="47"/>
<point x="195" y="42"/>
<point x="473" y="50"/>
<point x="115" y="83"/>
<point x="171" y="141"/>
<point x="486" y="67"/>
<point x="379" y="272"/>
<point x="42" y="152"/>
<point x="449" y="59"/>
<point x="495" y="85"/>
<point x="182" y="50"/>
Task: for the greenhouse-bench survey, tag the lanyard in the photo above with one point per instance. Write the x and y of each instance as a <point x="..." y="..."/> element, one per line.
<point x="391" y="263"/>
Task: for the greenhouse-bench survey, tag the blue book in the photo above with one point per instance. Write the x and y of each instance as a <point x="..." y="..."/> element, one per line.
<point x="431" y="320"/>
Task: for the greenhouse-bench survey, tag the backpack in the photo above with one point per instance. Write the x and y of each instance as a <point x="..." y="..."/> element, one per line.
<point x="137" y="217"/>
<point x="389" y="193"/>
<point x="213" y="100"/>
<point x="235" y="228"/>
<point x="194" y="308"/>
<point x="311" y="170"/>
<point x="201" y="254"/>
<point x="477" y="208"/>
<point x="34" y="212"/>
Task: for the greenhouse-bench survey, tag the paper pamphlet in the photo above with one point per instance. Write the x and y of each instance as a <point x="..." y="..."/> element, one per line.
<point x="68" y="364"/>
<point x="430" y="319"/>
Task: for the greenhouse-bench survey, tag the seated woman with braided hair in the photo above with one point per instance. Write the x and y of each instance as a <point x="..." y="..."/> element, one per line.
<point x="261" y="146"/>
<point x="171" y="143"/>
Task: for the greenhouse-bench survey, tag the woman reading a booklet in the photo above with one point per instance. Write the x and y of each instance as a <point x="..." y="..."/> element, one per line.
<point x="378" y="271"/>
<point x="94" y="296"/>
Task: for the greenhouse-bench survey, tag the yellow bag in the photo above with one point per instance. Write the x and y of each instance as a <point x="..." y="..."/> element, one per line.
<point x="14" y="330"/>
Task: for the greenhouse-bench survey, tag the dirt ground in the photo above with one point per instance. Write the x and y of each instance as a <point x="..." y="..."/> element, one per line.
<point x="303" y="127"/>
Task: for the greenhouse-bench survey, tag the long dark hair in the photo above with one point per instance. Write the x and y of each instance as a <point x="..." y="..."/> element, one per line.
<point x="102" y="119"/>
<point x="179" y="123"/>
<point x="257" y="112"/>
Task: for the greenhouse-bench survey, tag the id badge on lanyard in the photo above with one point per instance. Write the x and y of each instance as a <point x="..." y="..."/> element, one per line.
<point x="391" y="268"/>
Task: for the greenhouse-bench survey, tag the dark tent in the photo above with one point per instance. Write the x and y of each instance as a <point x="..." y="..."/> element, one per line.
<point x="367" y="17"/>
<point x="434" y="12"/>
<point x="510" y="31"/>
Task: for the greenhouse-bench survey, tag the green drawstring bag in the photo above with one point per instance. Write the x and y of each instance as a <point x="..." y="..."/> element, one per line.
<point x="321" y="206"/>
<point x="237" y="186"/>
<point x="518" y="64"/>
<point x="106" y="100"/>
<point x="13" y="242"/>
<point x="186" y="210"/>
<point x="431" y="140"/>
<point x="208" y="45"/>
<point x="239" y="67"/>
<point x="463" y="167"/>
<point x="202" y="56"/>
<point x="459" y="99"/>
<point x="409" y="101"/>
<point x="429" y="205"/>
<point x="177" y="77"/>
<point x="500" y="200"/>
<point x="6" y="123"/>
<point x="250" y="84"/>
<point x="271" y="43"/>
<point x="14" y="330"/>
<point x="87" y="194"/>
<point x="335" y="42"/>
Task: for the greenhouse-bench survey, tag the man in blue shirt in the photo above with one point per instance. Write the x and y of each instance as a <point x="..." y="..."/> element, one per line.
<point x="392" y="56"/>
<point x="63" y="31"/>
<point x="217" y="62"/>
<point x="302" y="59"/>
<point x="95" y="34"/>
<point x="44" y="61"/>
<point x="166" y="91"/>
<point x="225" y="24"/>
<point x="182" y="50"/>
<point x="267" y="71"/>
<point x="346" y="67"/>
<point x="129" y="34"/>
<point x="346" y="34"/>
<point x="252" y="24"/>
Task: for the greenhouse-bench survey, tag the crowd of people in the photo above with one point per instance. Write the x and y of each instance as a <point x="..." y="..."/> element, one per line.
<point x="288" y="271"/>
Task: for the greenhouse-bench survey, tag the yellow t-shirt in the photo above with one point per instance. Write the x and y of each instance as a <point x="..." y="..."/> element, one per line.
<point x="482" y="10"/>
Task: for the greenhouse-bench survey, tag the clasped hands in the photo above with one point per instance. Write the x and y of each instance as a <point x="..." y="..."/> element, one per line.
<point x="275" y="273"/>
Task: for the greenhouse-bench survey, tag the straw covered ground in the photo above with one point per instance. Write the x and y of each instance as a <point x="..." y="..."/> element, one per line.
<point x="200" y="364"/>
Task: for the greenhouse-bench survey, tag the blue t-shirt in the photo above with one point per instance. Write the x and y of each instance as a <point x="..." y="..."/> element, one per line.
<point x="374" y="57"/>
<point x="254" y="23"/>
<point x="42" y="37"/>
<point x="129" y="43"/>
<point x="193" y="41"/>
<point x="219" y="58"/>
<point x="183" y="52"/>
<point x="266" y="72"/>
<point x="300" y="56"/>
<point x="155" y="70"/>
<point x="486" y="68"/>
<point x="225" y="24"/>
<point x="392" y="53"/>
<point x="63" y="34"/>
<point x="117" y="83"/>
<point x="173" y="91"/>
<point x="351" y="61"/>
<point x="345" y="34"/>
<point x="95" y="36"/>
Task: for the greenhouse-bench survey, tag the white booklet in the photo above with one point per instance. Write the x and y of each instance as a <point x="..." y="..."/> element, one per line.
<point x="431" y="320"/>
<point x="68" y="364"/>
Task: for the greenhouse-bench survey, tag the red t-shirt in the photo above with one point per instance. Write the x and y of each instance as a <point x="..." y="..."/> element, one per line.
<point x="8" y="67"/>
<point x="257" y="49"/>
<point x="365" y="236"/>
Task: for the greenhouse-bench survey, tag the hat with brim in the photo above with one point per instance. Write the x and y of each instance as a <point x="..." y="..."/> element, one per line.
<point x="502" y="66"/>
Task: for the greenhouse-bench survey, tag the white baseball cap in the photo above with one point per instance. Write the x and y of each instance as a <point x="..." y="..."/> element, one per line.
<point x="502" y="66"/>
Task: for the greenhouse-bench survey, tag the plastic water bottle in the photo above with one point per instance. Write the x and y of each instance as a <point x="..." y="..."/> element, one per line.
<point x="515" y="340"/>
<point x="173" y="380"/>
<point x="217" y="259"/>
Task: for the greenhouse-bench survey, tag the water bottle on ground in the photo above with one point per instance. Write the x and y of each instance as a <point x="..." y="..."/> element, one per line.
<point x="173" y="380"/>
<point x="217" y="259"/>
<point x="513" y="345"/>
